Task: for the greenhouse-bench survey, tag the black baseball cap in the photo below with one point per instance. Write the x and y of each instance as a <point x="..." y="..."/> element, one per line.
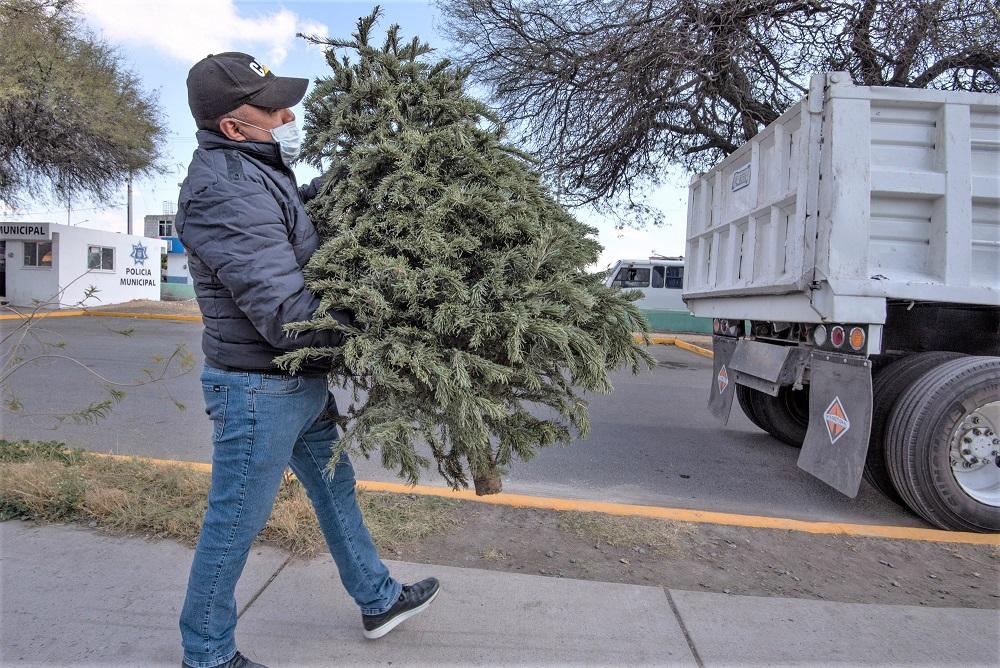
<point x="224" y="81"/>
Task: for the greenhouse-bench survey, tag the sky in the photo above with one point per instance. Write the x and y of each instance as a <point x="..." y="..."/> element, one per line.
<point x="159" y="40"/>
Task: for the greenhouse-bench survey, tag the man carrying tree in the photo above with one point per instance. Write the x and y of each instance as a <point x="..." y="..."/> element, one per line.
<point x="241" y="217"/>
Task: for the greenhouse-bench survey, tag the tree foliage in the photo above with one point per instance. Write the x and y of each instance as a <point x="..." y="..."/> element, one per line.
<point x="612" y="91"/>
<point x="73" y="119"/>
<point x="477" y="326"/>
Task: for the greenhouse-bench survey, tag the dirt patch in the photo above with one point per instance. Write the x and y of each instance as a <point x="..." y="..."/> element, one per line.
<point x="639" y="534"/>
<point x="716" y="558"/>
<point x="148" y="306"/>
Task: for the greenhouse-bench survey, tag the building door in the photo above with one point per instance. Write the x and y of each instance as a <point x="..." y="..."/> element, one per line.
<point x="3" y="268"/>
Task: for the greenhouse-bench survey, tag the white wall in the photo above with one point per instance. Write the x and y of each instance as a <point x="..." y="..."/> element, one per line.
<point x="27" y="283"/>
<point x="177" y="267"/>
<point x="130" y="279"/>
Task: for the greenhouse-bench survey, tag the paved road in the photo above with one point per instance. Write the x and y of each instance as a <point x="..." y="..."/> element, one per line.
<point x="652" y="442"/>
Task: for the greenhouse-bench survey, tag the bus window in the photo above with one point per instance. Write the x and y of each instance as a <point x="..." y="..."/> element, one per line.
<point x="658" y="274"/>
<point x="675" y="278"/>
<point x="631" y="277"/>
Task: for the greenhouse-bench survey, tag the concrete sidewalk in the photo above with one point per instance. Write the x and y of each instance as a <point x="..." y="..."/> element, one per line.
<point x="70" y="596"/>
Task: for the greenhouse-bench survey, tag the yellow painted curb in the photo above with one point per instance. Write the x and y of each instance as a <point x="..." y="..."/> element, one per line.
<point x="148" y="316"/>
<point x="197" y="466"/>
<point x="654" y="512"/>
<point x="661" y="339"/>
<point x="102" y="314"/>
<point x="697" y="350"/>
<point x="41" y="314"/>
<point x="655" y="339"/>
<point x="688" y="515"/>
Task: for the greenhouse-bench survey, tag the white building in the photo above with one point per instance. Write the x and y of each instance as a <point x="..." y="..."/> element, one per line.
<point x="177" y="281"/>
<point x="58" y="263"/>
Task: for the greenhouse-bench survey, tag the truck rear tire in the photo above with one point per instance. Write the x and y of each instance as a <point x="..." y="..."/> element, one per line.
<point x="745" y="397"/>
<point x="786" y="416"/>
<point x="888" y="385"/>
<point x="942" y="445"/>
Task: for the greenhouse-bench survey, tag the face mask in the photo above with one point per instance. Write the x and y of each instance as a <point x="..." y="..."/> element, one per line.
<point x="287" y="137"/>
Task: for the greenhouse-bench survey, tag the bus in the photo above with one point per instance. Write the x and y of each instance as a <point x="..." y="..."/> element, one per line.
<point x="660" y="279"/>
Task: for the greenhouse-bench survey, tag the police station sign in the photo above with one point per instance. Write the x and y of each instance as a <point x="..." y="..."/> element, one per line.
<point x="138" y="274"/>
<point x="25" y="231"/>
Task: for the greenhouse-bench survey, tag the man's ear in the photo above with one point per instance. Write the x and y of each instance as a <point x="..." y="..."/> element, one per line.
<point x="231" y="129"/>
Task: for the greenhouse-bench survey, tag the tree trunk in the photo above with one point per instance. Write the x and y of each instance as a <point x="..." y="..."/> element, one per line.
<point x="486" y="480"/>
<point x="488" y="484"/>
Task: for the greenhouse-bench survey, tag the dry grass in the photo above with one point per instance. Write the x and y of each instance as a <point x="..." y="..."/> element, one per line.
<point x="493" y="554"/>
<point x="46" y="482"/>
<point x="658" y="537"/>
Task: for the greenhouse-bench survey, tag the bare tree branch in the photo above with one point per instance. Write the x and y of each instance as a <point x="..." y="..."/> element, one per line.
<point x="610" y="93"/>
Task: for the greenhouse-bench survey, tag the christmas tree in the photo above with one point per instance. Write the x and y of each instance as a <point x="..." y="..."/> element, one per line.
<point x="477" y="327"/>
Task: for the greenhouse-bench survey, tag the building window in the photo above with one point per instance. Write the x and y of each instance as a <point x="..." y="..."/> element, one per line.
<point x="631" y="277"/>
<point x="166" y="228"/>
<point x="101" y="257"/>
<point x="37" y="253"/>
<point x="675" y="277"/>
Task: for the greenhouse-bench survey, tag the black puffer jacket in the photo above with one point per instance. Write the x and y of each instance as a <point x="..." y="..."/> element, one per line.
<point x="241" y="218"/>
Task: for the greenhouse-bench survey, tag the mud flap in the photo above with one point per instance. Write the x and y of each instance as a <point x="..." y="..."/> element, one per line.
<point x="840" y="420"/>
<point x="720" y="398"/>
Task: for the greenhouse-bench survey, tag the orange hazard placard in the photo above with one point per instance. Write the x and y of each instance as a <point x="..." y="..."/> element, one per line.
<point x="836" y="420"/>
<point x="723" y="379"/>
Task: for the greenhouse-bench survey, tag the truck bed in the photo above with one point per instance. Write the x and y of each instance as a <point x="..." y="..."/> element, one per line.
<point x="856" y="195"/>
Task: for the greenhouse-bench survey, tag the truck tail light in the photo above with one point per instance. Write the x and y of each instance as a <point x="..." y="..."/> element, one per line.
<point x="857" y="338"/>
<point x="820" y="335"/>
<point x="716" y="327"/>
<point x="837" y="336"/>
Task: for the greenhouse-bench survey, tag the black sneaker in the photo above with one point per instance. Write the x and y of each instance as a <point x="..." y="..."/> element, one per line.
<point x="238" y="661"/>
<point x="413" y="600"/>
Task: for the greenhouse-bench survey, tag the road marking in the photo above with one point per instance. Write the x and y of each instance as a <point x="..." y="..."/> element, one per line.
<point x="42" y="314"/>
<point x="653" y="512"/>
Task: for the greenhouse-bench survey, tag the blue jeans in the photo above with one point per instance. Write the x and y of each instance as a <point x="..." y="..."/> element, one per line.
<point x="263" y="423"/>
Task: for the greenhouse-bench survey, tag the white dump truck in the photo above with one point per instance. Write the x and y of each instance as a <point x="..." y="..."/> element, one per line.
<point x="849" y="255"/>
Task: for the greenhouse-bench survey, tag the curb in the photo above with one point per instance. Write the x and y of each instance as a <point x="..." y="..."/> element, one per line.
<point x="147" y="316"/>
<point x="42" y="314"/>
<point x="697" y="350"/>
<point x="665" y="340"/>
<point x="101" y="314"/>
<point x="652" y="512"/>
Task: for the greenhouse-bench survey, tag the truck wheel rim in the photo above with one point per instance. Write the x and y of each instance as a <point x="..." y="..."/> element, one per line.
<point x="975" y="454"/>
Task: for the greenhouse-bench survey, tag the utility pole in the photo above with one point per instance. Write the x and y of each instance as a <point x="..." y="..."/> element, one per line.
<point x="129" y="205"/>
